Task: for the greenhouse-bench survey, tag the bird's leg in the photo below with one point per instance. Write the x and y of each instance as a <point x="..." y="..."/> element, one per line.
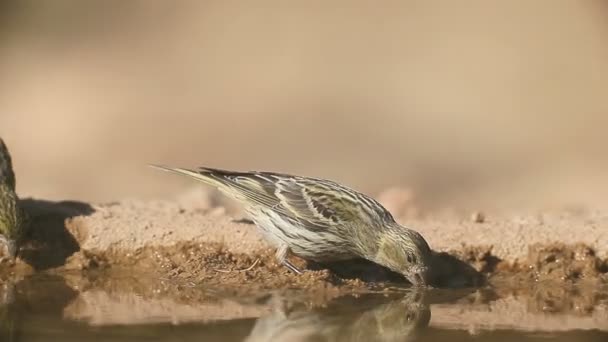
<point x="290" y="266"/>
<point x="282" y="254"/>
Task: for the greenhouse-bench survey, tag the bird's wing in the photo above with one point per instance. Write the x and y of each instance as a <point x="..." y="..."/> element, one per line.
<point x="320" y="202"/>
<point x="239" y="185"/>
<point x="313" y="202"/>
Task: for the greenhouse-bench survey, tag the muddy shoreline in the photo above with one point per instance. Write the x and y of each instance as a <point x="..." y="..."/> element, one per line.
<point x="136" y="262"/>
<point x="198" y="242"/>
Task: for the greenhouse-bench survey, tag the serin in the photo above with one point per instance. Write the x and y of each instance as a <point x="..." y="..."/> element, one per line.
<point x="13" y="220"/>
<point x="321" y="220"/>
<point x="7" y="175"/>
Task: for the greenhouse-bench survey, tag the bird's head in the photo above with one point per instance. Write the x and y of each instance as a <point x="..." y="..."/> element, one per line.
<point x="12" y="221"/>
<point x="405" y="251"/>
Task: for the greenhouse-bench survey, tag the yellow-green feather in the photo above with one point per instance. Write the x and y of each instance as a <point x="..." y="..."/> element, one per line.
<point x="7" y="176"/>
<point x="13" y="220"/>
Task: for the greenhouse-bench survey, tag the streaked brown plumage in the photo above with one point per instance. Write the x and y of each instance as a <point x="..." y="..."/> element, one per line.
<point x="7" y="176"/>
<point x="13" y="220"/>
<point x="321" y="220"/>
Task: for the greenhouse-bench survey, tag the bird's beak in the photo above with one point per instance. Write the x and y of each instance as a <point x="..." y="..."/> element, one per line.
<point x="418" y="278"/>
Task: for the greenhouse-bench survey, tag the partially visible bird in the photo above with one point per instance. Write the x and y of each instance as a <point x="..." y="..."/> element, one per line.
<point x="7" y="175"/>
<point x="13" y="219"/>
<point x="321" y="220"/>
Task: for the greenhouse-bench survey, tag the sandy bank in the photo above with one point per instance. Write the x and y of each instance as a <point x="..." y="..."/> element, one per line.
<point x="197" y="242"/>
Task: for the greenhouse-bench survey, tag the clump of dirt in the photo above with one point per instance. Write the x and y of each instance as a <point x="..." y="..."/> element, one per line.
<point x="85" y="261"/>
<point x="214" y="265"/>
<point x="564" y="262"/>
<point x="555" y="263"/>
<point x="478" y="257"/>
<point x="552" y="262"/>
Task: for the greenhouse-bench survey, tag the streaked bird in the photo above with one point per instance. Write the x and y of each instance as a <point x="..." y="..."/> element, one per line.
<point x="320" y="220"/>
<point x="7" y="175"/>
<point x="13" y="220"/>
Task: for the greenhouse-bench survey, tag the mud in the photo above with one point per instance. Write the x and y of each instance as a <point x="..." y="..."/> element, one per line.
<point x="201" y="244"/>
<point x="134" y="263"/>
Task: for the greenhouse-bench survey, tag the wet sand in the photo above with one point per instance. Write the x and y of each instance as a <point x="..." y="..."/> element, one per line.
<point x="203" y="241"/>
<point x="136" y="262"/>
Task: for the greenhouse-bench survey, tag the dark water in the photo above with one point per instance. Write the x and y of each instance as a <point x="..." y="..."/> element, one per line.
<point x="50" y="309"/>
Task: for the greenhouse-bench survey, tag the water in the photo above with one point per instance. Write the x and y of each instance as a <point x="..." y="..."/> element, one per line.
<point x="52" y="308"/>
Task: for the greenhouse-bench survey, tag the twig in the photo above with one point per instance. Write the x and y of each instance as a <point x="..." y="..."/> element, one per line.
<point x="243" y="270"/>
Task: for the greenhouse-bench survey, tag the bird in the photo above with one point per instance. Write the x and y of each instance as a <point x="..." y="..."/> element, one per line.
<point x="320" y="220"/>
<point x="7" y="175"/>
<point x="13" y="219"/>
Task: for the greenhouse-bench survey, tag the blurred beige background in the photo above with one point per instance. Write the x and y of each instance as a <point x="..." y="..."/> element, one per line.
<point x="471" y="104"/>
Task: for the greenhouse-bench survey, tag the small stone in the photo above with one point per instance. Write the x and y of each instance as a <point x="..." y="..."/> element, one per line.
<point x="478" y="217"/>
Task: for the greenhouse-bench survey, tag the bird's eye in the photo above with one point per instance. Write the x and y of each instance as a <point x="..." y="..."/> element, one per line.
<point x="411" y="258"/>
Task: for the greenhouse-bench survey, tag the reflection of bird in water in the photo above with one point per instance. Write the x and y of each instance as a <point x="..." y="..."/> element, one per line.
<point x="7" y="293"/>
<point x="368" y="318"/>
<point x="8" y="329"/>
<point x="31" y="303"/>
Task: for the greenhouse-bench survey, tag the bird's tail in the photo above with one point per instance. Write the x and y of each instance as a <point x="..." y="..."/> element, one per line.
<point x="247" y="187"/>
<point x="205" y="175"/>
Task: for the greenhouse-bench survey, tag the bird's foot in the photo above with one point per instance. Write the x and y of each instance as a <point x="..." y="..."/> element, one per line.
<point x="282" y="254"/>
<point x="291" y="267"/>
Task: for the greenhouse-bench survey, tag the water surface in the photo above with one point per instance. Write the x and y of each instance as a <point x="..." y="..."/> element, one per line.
<point x="49" y="308"/>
